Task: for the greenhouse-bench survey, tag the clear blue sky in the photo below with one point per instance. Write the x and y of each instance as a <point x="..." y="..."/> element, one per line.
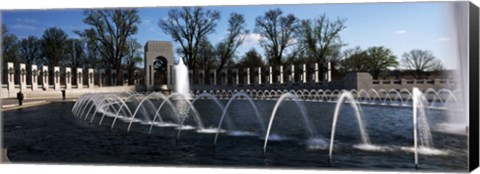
<point x="398" y="26"/>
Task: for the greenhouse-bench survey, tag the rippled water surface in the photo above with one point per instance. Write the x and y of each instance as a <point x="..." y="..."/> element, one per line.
<point x="51" y="134"/>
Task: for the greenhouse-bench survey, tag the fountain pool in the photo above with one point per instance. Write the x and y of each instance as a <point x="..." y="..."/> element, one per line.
<point x="285" y="130"/>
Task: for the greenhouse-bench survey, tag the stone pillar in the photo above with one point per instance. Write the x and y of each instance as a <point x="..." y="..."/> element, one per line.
<point x="23" y="77"/>
<point x="136" y="81"/>
<point x="190" y="77"/>
<point x="327" y="75"/>
<point x="248" y="76"/>
<point x="113" y="77"/>
<point x="403" y="81"/>
<point x="292" y="74"/>
<point x="79" y="78"/>
<point x="317" y="73"/>
<point x="101" y="77"/>
<point x="259" y="80"/>
<point x="56" y="78"/>
<point x="304" y="74"/>
<point x="329" y="72"/>
<point x="170" y="76"/>
<point x="90" y="77"/>
<point x="224" y="77"/>
<point x="357" y="81"/>
<point x="148" y="75"/>
<point x="281" y="74"/>
<point x="270" y="79"/>
<point x="11" y="76"/>
<point x="125" y="78"/>
<point x="45" y="77"/>
<point x="35" y="74"/>
<point x="68" y="76"/>
<point x="201" y="76"/>
<point x="235" y="80"/>
<point x="174" y="78"/>
<point x="213" y="77"/>
<point x="311" y="74"/>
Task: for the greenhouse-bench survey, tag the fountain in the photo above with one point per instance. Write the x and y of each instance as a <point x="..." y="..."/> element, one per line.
<point x="459" y="26"/>
<point x="347" y="96"/>
<point x="155" y="110"/>
<point x="182" y="86"/>
<point x="257" y="114"/>
<point x="308" y="127"/>
<point x="180" y="110"/>
<point x="419" y="109"/>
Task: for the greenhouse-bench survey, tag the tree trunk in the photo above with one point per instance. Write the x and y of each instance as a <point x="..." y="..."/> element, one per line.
<point x="375" y="74"/>
<point x="119" y="77"/>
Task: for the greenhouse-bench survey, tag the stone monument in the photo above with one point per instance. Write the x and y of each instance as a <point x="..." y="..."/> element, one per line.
<point x="79" y="78"/>
<point x="23" y="77"/>
<point x="35" y="74"/>
<point x="68" y="79"/>
<point x="45" y="77"/>
<point x="158" y="58"/>
<point x="56" y="77"/>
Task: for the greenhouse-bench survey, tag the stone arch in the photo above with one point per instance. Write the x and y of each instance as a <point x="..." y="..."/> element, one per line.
<point x="160" y="79"/>
<point x="160" y="66"/>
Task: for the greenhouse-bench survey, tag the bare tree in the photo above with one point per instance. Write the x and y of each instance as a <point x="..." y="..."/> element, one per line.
<point x="421" y="61"/>
<point x="235" y="37"/>
<point x="206" y="55"/>
<point x="251" y="59"/>
<point x="356" y="60"/>
<point x="9" y="46"/>
<point x="188" y="26"/>
<point x="379" y="60"/>
<point x="132" y="57"/>
<point x="321" y="37"/>
<point x="54" y="41"/>
<point x="92" y="52"/>
<point x="111" y="28"/>
<point x="207" y="58"/>
<point x="76" y="56"/>
<point x="75" y="53"/>
<point x="9" y="51"/>
<point x="277" y="33"/>
<point x="30" y="49"/>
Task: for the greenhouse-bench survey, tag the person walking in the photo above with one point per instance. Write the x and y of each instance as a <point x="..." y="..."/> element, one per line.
<point x="63" y="94"/>
<point x="20" y="98"/>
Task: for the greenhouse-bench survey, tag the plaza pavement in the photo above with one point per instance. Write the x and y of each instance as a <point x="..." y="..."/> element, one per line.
<point x="11" y="104"/>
